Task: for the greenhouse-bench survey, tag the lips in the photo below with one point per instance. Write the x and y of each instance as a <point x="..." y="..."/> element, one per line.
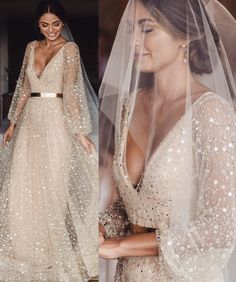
<point x="137" y="55"/>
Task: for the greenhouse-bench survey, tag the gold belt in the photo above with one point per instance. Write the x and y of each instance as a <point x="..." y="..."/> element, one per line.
<point x="141" y="229"/>
<point x="47" y="95"/>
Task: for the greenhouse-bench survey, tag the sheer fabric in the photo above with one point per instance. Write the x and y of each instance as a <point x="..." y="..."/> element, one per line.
<point x="48" y="181"/>
<point x="184" y="186"/>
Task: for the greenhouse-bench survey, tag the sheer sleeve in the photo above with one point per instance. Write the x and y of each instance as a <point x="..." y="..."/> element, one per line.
<point x="115" y="219"/>
<point x="204" y="250"/>
<point x="74" y="96"/>
<point x="22" y="90"/>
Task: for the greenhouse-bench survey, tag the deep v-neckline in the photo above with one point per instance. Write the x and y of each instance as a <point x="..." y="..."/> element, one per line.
<point x="157" y="149"/>
<point x="48" y="63"/>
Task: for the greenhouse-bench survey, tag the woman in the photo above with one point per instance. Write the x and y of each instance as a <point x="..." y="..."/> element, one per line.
<point x="168" y="85"/>
<point x="48" y="170"/>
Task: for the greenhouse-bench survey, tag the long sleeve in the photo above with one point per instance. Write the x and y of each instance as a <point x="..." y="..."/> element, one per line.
<point x="22" y="90"/>
<point x="74" y="96"/>
<point x="115" y="219"/>
<point x="202" y="253"/>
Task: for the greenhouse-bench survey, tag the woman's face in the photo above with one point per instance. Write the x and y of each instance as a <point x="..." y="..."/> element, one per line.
<point x="155" y="48"/>
<point x="50" y="26"/>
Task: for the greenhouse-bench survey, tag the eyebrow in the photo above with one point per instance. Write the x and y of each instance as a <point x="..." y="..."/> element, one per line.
<point x="140" y="21"/>
<point x="52" y="22"/>
<point x="145" y="20"/>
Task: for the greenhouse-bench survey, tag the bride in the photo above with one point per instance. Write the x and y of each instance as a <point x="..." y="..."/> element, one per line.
<point x="167" y="104"/>
<point x="48" y="166"/>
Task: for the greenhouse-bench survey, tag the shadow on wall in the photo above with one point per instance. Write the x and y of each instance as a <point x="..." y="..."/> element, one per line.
<point x="110" y="12"/>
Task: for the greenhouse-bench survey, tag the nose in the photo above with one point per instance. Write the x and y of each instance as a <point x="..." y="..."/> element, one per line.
<point x="136" y="42"/>
<point x="137" y="38"/>
<point x="50" y="28"/>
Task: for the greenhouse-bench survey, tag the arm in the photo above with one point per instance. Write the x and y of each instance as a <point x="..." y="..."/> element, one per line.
<point x="22" y="91"/>
<point x="210" y="237"/>
<point x="135" y="245"/>
<point x="202" y="252"/>
<point x="114" y="224"/>
<point x="74" y="96"/>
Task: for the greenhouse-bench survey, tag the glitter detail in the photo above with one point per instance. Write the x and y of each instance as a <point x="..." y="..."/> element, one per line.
<point x="48" y="195"/>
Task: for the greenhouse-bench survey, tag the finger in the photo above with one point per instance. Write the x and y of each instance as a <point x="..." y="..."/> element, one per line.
<point x="101" y="241"/>
<point x="91" y="150"/>
<point x="3" y="142"/>
<point x="87" y="149"/>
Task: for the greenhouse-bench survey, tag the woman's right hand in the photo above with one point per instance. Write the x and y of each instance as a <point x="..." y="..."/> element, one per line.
<point x="8" y="134"/>
<point x="86" y="143"/>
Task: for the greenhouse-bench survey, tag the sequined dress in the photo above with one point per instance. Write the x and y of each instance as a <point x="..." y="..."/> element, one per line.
<point x="48" y="182"/>
<point x="209" y="241"/>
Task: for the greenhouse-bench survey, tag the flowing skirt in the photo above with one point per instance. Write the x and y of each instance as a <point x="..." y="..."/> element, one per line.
<point x="47" y="200"/>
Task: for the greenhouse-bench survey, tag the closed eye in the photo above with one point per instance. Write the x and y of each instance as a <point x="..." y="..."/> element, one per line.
<point x="147" y="30"/>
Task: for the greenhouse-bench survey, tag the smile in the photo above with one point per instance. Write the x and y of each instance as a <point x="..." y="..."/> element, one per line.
<point x="140" y="55"/>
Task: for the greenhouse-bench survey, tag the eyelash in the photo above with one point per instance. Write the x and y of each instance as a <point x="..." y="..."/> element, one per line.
<point x="56" y="24"/>
<point x="147" y="30"/>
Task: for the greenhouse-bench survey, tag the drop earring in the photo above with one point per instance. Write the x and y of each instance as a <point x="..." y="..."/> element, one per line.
<point x="185" y="53"/>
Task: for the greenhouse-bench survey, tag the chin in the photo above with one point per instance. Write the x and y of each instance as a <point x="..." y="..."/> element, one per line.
<point x="144" y="68"/>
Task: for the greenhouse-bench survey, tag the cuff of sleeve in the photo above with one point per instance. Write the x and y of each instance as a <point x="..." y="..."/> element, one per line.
<point x="12" y="121"/>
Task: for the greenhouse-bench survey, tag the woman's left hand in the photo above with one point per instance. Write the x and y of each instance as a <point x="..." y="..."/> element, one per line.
<point x="86" y="143"/>
<point x="110" y="249"/>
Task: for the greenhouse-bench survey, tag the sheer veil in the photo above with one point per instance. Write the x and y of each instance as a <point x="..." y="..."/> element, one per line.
<point x="201" y="229"/>
<point x="91" y="96"/>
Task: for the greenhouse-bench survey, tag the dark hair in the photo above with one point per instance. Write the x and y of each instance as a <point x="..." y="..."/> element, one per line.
<point x="49" y="6"/>
<point x="179" y="17"/>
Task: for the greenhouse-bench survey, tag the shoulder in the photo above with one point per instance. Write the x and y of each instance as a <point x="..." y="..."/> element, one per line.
<point x="212" y="104"/>
<point x="30" y="45"/>
<point x="71" y="47"/>
<point x="28" y="49"/>
<point x="211" y="111"/>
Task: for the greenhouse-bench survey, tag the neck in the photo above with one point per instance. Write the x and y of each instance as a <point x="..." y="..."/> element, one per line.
<point x="171" y="81"/>
<point x="50" y="43"/>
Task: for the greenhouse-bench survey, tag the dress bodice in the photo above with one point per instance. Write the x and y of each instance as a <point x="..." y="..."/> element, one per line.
<point x="150" y="206"/>
<point x="51" y="77"/>
<point x="193" y="170"/>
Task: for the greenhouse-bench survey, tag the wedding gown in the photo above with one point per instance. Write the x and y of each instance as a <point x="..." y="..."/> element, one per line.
<point x="208" y="243"/>
<point x="48" y="182"/>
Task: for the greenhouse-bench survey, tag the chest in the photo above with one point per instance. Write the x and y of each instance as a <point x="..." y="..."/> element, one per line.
<point x="51" y="74"/>
<point x="42" y="58"/>
<point x="150" y="205"/>
<point x="147" y="130"/>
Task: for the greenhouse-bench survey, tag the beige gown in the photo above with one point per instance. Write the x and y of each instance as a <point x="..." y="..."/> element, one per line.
<point x="209" y="240"/>
<point x="48" y="182"/>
